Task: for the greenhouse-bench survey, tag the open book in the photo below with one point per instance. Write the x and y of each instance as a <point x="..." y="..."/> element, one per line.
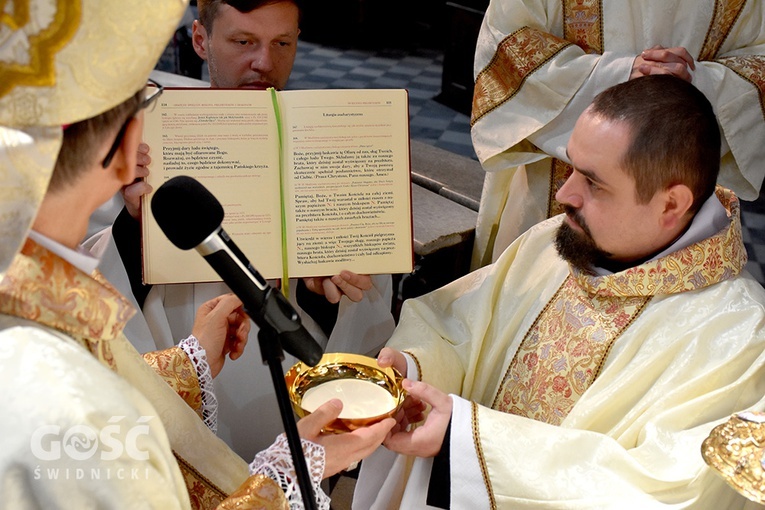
<point x="311" y="181"/>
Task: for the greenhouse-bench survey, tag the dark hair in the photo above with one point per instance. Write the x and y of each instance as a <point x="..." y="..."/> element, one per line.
<point x="208" y="9"/>
<point x="84" y="139"/>
<point x="675" y="135"/>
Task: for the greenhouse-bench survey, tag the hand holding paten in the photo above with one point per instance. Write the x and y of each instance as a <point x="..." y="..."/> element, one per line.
<point x="392" y="358"/>
<point x="426" y="439"/>
<point x="341" y="450"/>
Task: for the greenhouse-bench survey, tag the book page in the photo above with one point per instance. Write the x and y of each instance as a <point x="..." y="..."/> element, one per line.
<point x="348" y="181"/>
<point x="227" y="140"/>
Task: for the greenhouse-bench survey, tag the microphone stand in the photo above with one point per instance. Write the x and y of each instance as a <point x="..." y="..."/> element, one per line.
<point x="272" y="354"/>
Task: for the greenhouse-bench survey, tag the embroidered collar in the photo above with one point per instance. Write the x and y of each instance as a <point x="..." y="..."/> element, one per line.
<point x="717" y="258"/>
<point x="43" y="287"/>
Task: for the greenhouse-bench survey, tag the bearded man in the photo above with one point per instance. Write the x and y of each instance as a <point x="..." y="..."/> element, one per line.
<point x="586" y="366"/>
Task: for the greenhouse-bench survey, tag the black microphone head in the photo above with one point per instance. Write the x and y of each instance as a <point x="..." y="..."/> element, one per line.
<point x="186" y="211"/>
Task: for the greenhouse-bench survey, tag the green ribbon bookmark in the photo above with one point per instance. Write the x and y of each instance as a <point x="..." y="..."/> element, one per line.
<point x="285" y="287"/>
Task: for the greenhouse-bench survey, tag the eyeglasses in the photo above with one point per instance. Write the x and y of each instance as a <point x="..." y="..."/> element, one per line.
<point x="148" y="103"/>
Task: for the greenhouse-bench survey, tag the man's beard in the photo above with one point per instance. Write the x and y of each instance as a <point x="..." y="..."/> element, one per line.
<point x="578" y="248"/>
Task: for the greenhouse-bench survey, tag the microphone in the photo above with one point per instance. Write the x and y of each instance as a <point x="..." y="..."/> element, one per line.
<point x="191" y="217"/>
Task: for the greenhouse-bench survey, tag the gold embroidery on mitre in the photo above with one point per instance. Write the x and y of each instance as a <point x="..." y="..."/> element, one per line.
<point x="203" y="493"/>
<point x="563" y="352"/>
<point x="16" y="19"/>
<point x="752" y="69"/>
<point x="177" y="370"/>
<point x="560" y="172"/>
<point x="41" y="43"/>
<point x="583" y="24"/>
<point x="725" y="16"/>
<point x="517" y="57"/>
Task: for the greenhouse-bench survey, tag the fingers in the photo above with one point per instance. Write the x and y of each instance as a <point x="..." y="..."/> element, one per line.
<point x="678" y="70"/>
<point x="369" y="438"/>
<point x="314" y="284"/>
<point x="310" y="426"/>
<point x="352" y="285"/>
<point x="346" y="283"/>
<point x="219" y="329"/>
<point x="677" y="55"/>
<point x="390" y="357"/>
<point x="226" y="304"/>
<point x="345" y="449"/>
<point x="239" y="339"/>
<point x="331" y="292"/>
<point x="214" y="315"/>
<point x="687" y="57"/>
<point x="659" y="60"/>
<point x="427" y="393"/>
<point x="132" y="194"/>
<point x="143" y="148"/>
<point x="237" y="318"/>
<point x="342" y="449"/>
<point x="359" y="281"/>
<point x="425" y="440"/>
<point x="412" y="411"/>
<point x="238" y="323"/>
<point x="143" y="160"/>
<point x="386" y="357"/>
<point x="208" y="306"/>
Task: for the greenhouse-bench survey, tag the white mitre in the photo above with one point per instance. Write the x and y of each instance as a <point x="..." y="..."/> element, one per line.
<point x="63" y="61"/>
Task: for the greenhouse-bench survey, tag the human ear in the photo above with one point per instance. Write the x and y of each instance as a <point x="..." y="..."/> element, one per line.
<point x="199" y="39"/>
<point x="126" y="157"/>
<point x="678" y="200"/>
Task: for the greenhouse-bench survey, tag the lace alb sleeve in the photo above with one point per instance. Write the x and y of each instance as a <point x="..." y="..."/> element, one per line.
<point x="276" y="463"/>
<point x="198" y="358"/>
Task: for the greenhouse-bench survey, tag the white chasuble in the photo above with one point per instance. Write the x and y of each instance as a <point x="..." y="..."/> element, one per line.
<point x="100" y="424"/>
<point x="583" y="392"/>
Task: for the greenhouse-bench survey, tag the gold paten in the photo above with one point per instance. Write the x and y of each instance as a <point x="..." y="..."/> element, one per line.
<point x="301" y="377"/>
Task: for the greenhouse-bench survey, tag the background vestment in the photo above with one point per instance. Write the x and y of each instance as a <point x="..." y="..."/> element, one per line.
<point x="583" y="392"/>
<point x="540" y="63"/>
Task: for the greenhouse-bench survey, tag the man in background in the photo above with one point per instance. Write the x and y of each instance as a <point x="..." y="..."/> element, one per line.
<point x="247" y="44"/>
